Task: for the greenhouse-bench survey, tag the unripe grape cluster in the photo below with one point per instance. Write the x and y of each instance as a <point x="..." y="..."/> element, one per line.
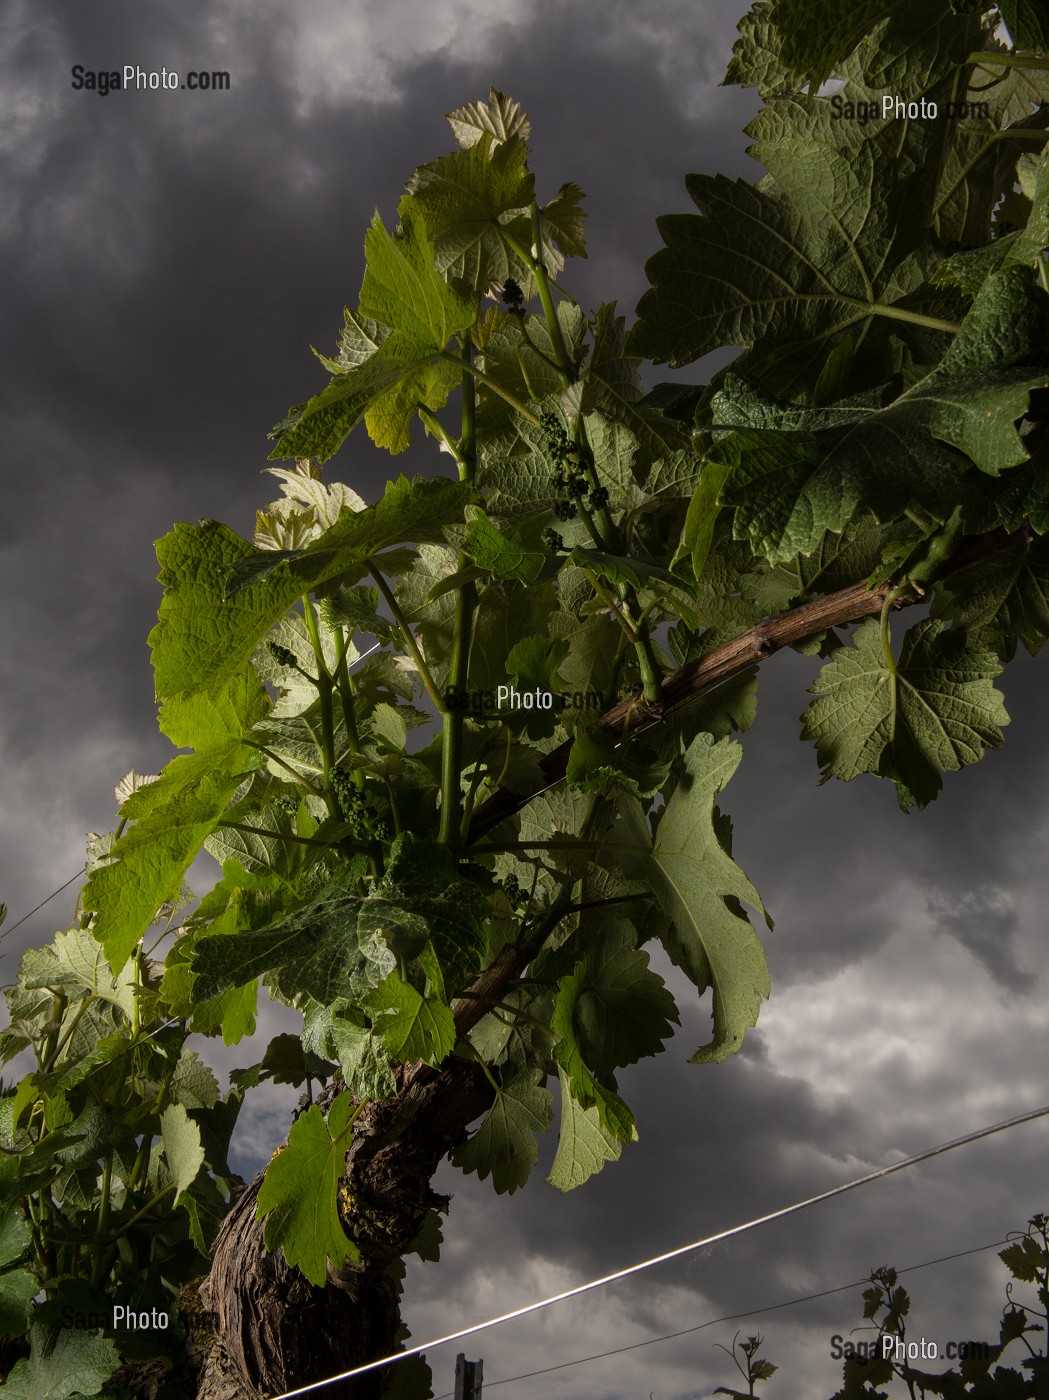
<point x="514" y="297"/>
<point x="572" y="481"/>
<point x="282" y="655"/>
<point x="360" y="815"/>
<point x="511" y="887"/>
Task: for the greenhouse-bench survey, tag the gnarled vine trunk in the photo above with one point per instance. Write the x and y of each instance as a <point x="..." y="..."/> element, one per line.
<point x="275" y="1330"/>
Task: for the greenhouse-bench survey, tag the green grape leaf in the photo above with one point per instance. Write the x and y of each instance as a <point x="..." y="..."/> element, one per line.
<point x="404" y="290"/>
<point x="412" y="1026"/>
<point x="831" y="245"/>
<point x="793" y="473"/>
<point x="73" y="963"/>
<point x="754" y="270"/>
<point x="407" y="512"/>
<point x="838" y="562"/>
<point x="504" y="1146"/>
<point x="612" y="1112"/>
<point x="979" y="390"/>
<point x="1031" y="242"/>
<point x="513" y="355"/>
<point x="15" y="1238"/>
<point x="299" y="1196"/>
<point x="616" y="459"/>
<point x="427" y="1243"/>
<point x="464" y="198"/>
<point x="584" y="1145"/>
<point x="721" y="709"/>
<point x="564" y="222"/>
<point x="500" y="117"/>
<point x="563" y="232"/>
<point x="152" y="857"/>
<point x="234" y="1011"/>
<point x="94" y="1132"/>
<point x="193" y="1083"/>
<point x="699" y="889"/>
<point x="74" y="1068"/>
<point x="598" y="761"/>
<point x="423" y="897"/>
<point x="263" y="866"/>
<point x="286" y="1061"/>
<point x="818" y="35"/>
<point x="208" y="719"/>
<point x="697" y="533"/>
<point x="359" y="339"/>
<point x="178" y="780"/>
<point x="358" y="608"/>
<point x="72" y="1363"/>
<point x="534" y="662"/>
<point x="1025" y="1260"/>
<point x="1004" y="598"/>
<point x="12" y="1044"/>
<point x="590" y="664"/>
<point x="18" y="1288"/>
<point x="317" y="949"/>
<point x="756" y="58"/>
<point x="1014" y="502"/>
<point x="206" y="1207"/>
<point x="1027" y="22"/>
<point x="495" y="552"/>
<point x="623" y="1011"/>
<point x="388" y="726"/>
<point x="975" y="177"/>
<point x="182" y="1146"/>
<point x="937" y="713"/>
<point x="202" y="637"/>
<point x="645" y="575"/>
<point x="362" y="1056"/>
<point x="222" y="597"/>
<point x="390" y="385"/>
<point x="620" y="395"/>
<point x="389" y="415"/>
<point x="238" y="901"/>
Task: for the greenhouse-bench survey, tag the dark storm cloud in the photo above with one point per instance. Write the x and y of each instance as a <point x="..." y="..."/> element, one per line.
<point x="984" y="921"/>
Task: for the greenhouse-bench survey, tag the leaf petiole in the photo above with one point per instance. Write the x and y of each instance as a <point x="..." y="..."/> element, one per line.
<point x="486" y="379"/>
<point x="276" y="758"/>
<point x="514" y="1011"/>
<point x="408" y="637"/>
<point x="1008" y="60"/>
<point x="440" y="432"/>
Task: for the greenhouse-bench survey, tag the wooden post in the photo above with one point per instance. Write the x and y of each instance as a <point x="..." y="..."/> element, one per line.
<point x="468" y="1376"/>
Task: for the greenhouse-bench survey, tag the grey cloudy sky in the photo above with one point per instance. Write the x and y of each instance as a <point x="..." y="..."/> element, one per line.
<point x="167" y="260"/>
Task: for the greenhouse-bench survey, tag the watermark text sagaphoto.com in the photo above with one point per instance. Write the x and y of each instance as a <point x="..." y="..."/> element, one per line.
<point x="889" y="1348"/>
<point x="510" y="697"/>
<point x="131" y="78"/>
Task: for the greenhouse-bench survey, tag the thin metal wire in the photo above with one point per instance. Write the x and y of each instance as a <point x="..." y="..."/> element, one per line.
<point x="730" y="1317"/>
<point x="670" y="1254"/>
<point x="11" y="928"/>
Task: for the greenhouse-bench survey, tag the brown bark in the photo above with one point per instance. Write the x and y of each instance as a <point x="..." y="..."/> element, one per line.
<point x="276" y="1331"/>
